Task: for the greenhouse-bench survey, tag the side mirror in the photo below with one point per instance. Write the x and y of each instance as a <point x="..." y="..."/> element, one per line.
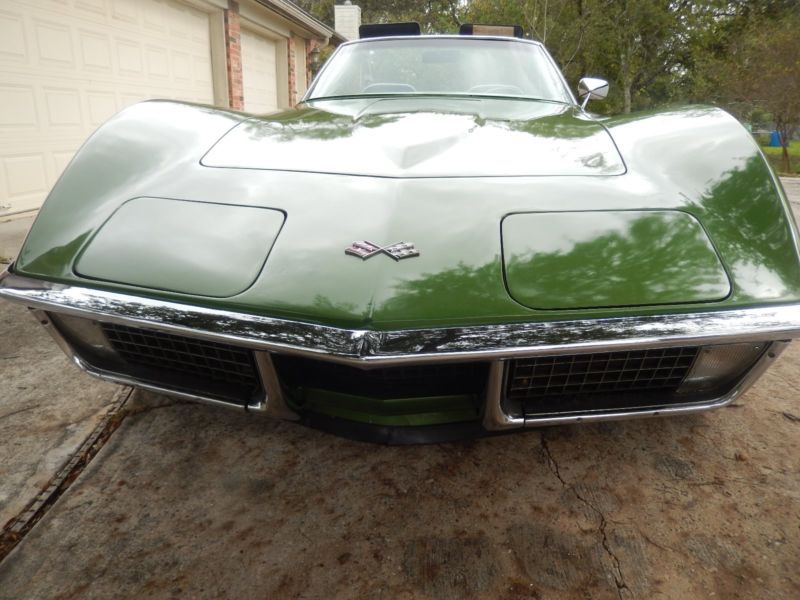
<point x="592" y="88"/>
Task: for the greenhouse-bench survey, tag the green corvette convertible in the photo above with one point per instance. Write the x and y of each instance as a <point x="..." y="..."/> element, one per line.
<point x="439" y="241"/>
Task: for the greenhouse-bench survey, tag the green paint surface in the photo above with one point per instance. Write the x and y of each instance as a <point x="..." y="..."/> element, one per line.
<point x="696" y="160"/>
<point x="571" y="260"/>
<point x="189" y="247"/>
<point x="432" y="410"/>
<point x="422" y="137"/>
<point x="687" y="179"/>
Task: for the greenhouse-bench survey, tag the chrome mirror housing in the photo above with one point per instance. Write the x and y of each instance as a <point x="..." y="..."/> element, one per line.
<point x="592" y="88"/>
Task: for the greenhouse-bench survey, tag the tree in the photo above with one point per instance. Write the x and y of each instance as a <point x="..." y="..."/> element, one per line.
<point x="740" y="53"/>
<point x="636" y="44"/>
<point x="755" y="68"/>
<point x="642" y="47"/>
<point x="558" y="24"/>
<point x="768" y="69"/>
<point x="434" y="16"/>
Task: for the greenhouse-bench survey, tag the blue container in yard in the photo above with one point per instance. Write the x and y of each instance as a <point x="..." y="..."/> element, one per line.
<point x="775" y="139"/>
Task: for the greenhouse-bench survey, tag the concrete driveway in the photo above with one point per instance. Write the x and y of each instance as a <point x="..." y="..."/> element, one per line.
<point x="188" y="500"/>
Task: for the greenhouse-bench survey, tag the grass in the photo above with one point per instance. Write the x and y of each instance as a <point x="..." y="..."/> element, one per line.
<point x="774" y="156"/>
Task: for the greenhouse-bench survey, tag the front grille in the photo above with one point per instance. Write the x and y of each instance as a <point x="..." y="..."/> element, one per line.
<point x="190" y="364"/>
<point x="556" y="382"/>
<point x="383" y="383"/>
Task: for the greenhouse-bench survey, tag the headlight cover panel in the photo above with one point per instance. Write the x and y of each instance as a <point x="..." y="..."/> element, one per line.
<point x="599" y="259"/>
<point x="200" y="248"/>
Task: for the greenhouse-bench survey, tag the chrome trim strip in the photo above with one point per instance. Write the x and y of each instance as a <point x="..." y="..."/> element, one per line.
<point x="275" y="405"/>
<point x="496" y="419"/>
<point x="124" y="380"/>
<point x="60" y="341"/>
<point x="308" y="98"/>
<point x="364" y="348"/>
<point x="260" y="407"/>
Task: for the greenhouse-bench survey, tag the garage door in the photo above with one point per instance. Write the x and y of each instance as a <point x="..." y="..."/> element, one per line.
<point x="259" y="76"/>
<point x="67" y="67"/>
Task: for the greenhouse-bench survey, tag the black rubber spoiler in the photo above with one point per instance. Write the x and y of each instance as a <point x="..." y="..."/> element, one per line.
<point x="371" y="30"/>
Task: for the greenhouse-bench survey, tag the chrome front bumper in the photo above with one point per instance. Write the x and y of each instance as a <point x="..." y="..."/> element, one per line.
<point x="366" y="348"/>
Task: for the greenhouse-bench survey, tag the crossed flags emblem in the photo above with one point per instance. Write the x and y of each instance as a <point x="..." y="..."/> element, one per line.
<point x="398" y="251"/>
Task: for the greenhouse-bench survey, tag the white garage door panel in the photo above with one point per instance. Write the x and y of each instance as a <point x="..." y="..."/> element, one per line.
<point x="259" y="77"/>
<point x="66" y="67"/>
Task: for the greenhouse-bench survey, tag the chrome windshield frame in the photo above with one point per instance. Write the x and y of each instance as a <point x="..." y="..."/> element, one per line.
<point x="307" y="97"/>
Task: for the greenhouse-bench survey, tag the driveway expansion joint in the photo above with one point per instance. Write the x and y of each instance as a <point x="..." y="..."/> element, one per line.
<point x="623" y="590"/>
<point x="18" y="527"/>
<point x="18" y="411"/>
<point x="141" y="409"/>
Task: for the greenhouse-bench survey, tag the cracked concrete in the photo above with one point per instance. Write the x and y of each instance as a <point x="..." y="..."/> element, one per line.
<point x="196" y="501"/>
<point x="619" y="579"/>
<point x="47" y="409"/>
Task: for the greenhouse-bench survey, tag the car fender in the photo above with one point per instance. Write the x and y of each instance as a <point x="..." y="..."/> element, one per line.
<point x="705" y="157"/>
<point x="131" y="155"/>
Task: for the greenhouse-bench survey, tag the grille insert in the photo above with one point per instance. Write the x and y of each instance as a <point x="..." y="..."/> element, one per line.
<point x="195" y="365"/>
<point x="386" y="382"/>
<point x="588" y="376"/>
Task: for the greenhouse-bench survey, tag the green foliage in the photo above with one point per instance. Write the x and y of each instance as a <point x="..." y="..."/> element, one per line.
<point x="776" y="158"/>
<point x="654" y="52"/>
<point x="794" y="148"/>
<point x="556" y="23"/>
<point x="756" y="72"/>
<point x="434" y="16"/>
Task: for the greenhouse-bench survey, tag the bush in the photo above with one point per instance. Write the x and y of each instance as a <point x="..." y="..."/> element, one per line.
<point x="762" y="138"/>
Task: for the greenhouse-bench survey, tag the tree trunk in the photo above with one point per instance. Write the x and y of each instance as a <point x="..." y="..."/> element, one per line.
<point x="580" y="54"/>
<point x="785" y="158"/>
<point x="785" y="134"/>
<point x="626" y="96"/>
<point x="627" y="82"/>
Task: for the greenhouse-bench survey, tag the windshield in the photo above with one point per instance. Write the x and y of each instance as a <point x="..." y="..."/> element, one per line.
<point x="449" y="66"/>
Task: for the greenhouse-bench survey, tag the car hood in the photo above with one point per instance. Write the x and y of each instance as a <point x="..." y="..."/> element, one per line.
<point x="423" y="137"/>
<point x="136" y="212"/>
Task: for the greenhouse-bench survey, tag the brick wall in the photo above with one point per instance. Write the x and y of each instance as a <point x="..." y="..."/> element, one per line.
<point x="292" y="72"/>
<point x="310" y="46"/>
<point x="233" y="51"/>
